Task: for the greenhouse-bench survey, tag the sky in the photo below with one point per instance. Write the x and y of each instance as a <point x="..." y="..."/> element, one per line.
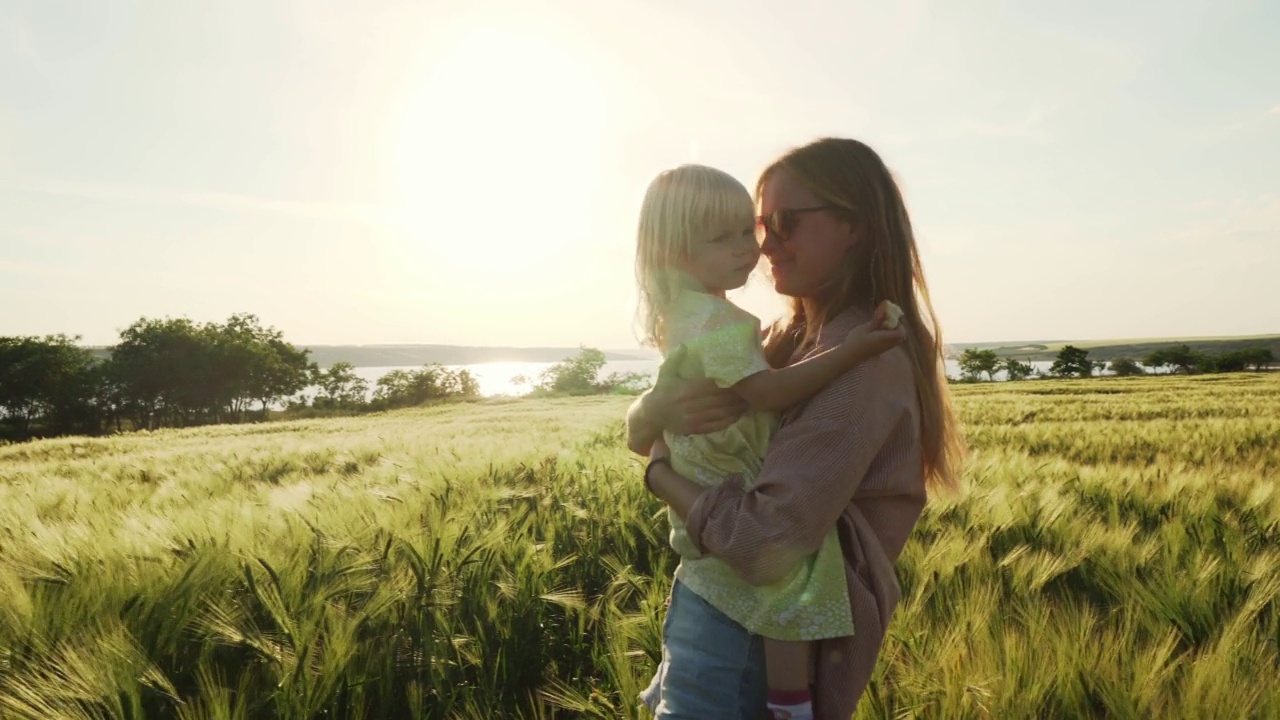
<point x="470" y="173"/>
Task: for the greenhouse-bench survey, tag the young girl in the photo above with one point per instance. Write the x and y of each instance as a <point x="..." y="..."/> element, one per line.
<point x="696" y="241"/>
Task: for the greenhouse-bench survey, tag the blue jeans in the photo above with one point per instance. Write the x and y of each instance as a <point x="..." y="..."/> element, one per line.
<point x="711" y="668"/>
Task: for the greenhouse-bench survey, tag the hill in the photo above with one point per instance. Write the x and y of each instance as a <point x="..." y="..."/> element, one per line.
<point x="1131" y="348"/>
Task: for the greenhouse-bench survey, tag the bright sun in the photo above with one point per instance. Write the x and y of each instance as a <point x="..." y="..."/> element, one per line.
<point x="499" y="154"/>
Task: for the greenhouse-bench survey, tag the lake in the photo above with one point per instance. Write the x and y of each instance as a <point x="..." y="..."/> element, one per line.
<point x="503" y="378"/>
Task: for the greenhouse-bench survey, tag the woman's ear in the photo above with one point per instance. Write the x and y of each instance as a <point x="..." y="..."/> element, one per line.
<point x="851" y="233"/>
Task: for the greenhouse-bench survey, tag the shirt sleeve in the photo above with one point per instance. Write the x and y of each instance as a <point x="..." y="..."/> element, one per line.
<point x="729" y="346"/>
<point x="812" y="469"/>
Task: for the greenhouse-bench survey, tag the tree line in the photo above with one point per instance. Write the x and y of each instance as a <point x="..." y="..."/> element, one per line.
<point x="341" y="388"/>
<point x="1072" y="361"/>
<point x="173" y="372"/>
<point x="178" y="373"/>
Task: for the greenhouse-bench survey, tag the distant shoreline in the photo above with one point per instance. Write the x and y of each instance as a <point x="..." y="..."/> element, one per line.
<point x="411" y="355"/>
<point x="1134" y="349"/>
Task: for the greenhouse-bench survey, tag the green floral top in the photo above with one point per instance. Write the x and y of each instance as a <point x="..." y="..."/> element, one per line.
<point x="723" y="343"/>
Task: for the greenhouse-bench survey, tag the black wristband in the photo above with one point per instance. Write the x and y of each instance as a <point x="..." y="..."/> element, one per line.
<point x="648" y="483"/>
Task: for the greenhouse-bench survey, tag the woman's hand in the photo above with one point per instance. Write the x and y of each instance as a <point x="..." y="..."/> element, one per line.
<point x="690" y="407"/>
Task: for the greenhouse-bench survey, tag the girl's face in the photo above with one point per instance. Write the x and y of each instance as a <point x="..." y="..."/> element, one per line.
<point x="805" y="245"/>
<point x="724" y="262"/>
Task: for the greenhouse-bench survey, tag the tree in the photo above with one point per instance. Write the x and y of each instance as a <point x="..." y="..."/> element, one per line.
<point x="70" y="391"/>
<point x="403" y="387"/>
<point x="1157" y="359"/>
<point x="1015" y="369"/>
<point x="459" y="383"/>
<point x="973" y="362"/>
<point x="109" y="396"/>
<point x="1072" y="361"/>
<point x="340" y="387"/>
<point x="1260" y="358"/>
<point x="255" y="363"/>
<point x="163" y="367"/>
<point x="1184" y="359"/>
<point x="20" y="381"/>
<point x="174" y="372"/>
<point x="161" y="373"/>
<point x="627" y="382"/>
<point x="281" y="371"/>
<point x="406" y="388"/>
<point x="1126" y="367"/>
<point x="234" y="353"/>
<point x="48" y="383"/>
<point x="576" y="376"/>
<point x="1236" y="361"/>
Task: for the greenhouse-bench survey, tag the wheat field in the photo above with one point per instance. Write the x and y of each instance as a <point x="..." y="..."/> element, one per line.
<point x="1114" y="552"/>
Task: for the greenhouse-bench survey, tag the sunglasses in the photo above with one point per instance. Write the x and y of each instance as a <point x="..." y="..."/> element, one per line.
<point x="781" y="223"/>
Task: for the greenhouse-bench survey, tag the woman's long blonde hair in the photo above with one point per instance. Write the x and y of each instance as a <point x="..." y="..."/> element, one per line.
<point x="884" y="265"/>
<point x="683" y="206"/>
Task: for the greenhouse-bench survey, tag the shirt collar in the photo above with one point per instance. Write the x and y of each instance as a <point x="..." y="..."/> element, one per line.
<point x="835" y="331"/>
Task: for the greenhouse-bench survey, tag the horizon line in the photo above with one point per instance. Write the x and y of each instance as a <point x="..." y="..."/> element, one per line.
<point x="1004" y="343"/>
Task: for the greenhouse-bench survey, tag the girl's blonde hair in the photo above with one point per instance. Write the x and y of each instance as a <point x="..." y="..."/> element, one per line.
<point x="682" y="207"/>
<point x="850" y="177"/>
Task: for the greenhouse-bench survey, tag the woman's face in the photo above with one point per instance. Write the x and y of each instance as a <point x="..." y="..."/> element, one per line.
<point x="812" y="253"/>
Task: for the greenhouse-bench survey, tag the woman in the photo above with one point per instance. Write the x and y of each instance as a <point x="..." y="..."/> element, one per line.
<point x="858" y="455"/>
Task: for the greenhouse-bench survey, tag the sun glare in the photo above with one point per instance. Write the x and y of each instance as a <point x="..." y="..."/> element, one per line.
<point x="499" y="153"/>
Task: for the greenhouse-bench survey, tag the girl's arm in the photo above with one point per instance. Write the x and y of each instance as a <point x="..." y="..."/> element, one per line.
<point x="699" y="407"/>
<point x="776" y="390"/>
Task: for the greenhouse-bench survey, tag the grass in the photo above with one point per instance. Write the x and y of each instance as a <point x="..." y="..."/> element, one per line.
<point x="1114" y="552"/>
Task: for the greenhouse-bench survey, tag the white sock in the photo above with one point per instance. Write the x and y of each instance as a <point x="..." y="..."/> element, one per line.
<point x="801" y="711"/>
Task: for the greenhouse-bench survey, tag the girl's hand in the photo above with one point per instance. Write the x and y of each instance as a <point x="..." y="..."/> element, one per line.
<point x="690" y="407"/>
<point x="659" y="450"/>
<point x="873" y="337"/>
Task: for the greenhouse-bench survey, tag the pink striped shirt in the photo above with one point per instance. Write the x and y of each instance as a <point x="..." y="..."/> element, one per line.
<point x="850" y="457"/>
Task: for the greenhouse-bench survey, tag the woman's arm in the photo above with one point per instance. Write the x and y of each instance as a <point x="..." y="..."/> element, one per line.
<point x="674" y="489"/>
<point x="812" y="470"/>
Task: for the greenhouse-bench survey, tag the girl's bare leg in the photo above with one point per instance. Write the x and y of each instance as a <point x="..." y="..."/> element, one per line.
<point x="787" y="668"/>
<point x="787" y="664"/>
